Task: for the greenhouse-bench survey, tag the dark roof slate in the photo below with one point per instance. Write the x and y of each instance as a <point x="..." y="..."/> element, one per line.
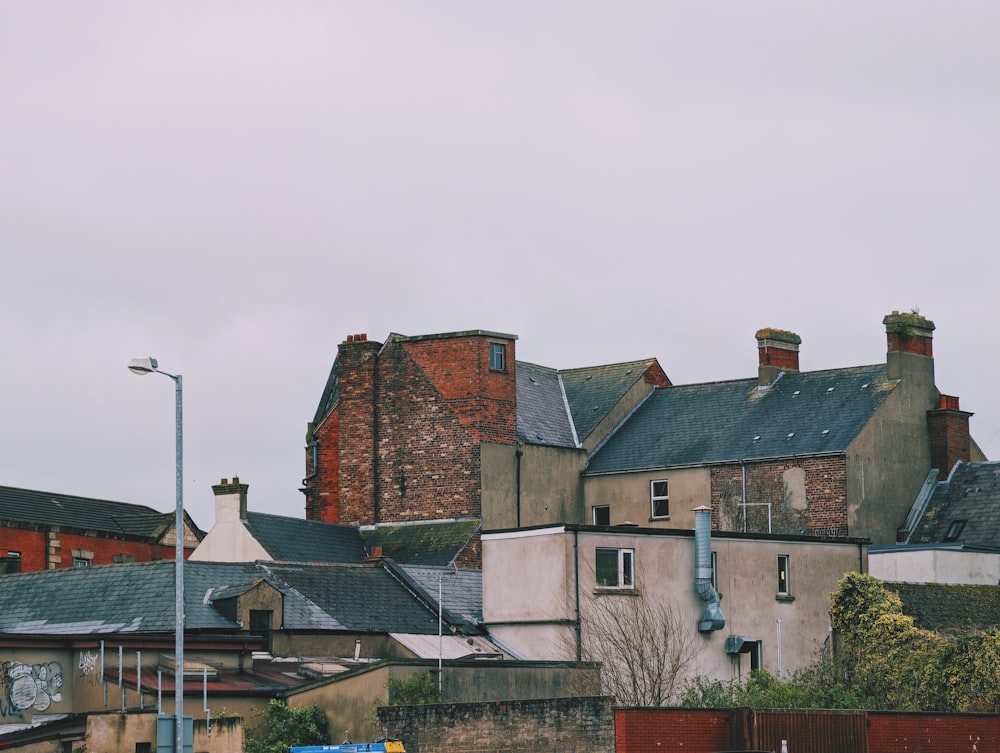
<point x="802" y="413"/>
<point x="461" y="590"/>
<point x="289" y="539"/>
<point x="138" y="597"/>
<point x="83" y="513"/>
<point x="435" y="542"/>
<point x="971" y="493"/>
<point x="542" y="412"/>
<point x="361" y="598"/>
<point x="594" y="391"/>
<point x="951" y="608"/>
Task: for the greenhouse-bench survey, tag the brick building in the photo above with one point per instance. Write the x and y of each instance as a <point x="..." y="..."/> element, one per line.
<point x="46" y="530"/>
<point x="452" y="425"/>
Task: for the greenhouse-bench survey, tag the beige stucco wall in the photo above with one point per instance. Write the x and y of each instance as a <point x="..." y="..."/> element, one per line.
<point x="889" y="459"/>
<point x="936" y="566"/>
<point x="627" y="494"/>
<point x="525" y="599"/>
<point x="229" y="541"/>
<point x="551" y="486"/>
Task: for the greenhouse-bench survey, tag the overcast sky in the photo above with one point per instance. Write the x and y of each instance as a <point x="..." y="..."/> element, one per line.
<point x="234" y="187"/>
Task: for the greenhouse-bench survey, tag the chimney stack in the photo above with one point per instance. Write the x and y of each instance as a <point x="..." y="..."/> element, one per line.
<point x="777" y="351"/>
<point x="907" y="335"/>
<point x="949" y="434"/>
<point x="230" y="500"/>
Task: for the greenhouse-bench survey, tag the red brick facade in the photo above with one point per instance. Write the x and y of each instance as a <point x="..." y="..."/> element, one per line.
<point x="403" y="441"/>
<point x="49" y="548"/>
<point x="949" y="433"/>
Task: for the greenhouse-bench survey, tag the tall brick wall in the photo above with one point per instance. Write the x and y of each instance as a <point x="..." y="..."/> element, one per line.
<point x="403" y="442"/>
<point x="563" y="725"/>
<point x="825" y="513"/>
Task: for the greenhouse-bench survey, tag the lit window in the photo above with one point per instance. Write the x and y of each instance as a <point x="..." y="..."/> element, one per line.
<point x="615" y="568"/>
<point x="602" y="515"/>
<point x="659" y="499"/>
<point x="498" y="357"/>
<point x="784" y="588"/>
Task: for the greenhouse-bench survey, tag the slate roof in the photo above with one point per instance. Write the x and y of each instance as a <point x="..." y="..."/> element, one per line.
<point x="802" y="413"/>
<point x="950" y="608"/>
<point x="971" y="493"/>
<point x="138" y="597"/>
<point x="461" y="590"/>
<point x="433" y="542"/>
<point x="543" y="415"/>
<point x="82" y="513"/>
<point x="361" y="598"/>
<point x="289" y="539"/>
<point x="561" y="408"/>
<point x="594" y="391"/>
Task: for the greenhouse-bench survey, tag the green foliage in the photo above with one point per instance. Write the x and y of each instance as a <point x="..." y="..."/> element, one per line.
<point x="412" y="690"/>
<point x="280" y="727"/>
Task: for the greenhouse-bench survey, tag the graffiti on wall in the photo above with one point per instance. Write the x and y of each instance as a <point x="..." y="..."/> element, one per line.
<point x="29" y="686"/>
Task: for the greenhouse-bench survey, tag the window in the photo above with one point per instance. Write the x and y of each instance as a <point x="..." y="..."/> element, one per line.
<point x="615" y="568"/>
<point x="81" y="562"/>
<point x="659" y="499"/>
<point x="122" y="557"/>
<point x="144" y="748"/>
<point x="954" y="530"/>
<point x="11" y="563"/>
<point x="601" y="515"/>
<point x="715" y="571"/>
<point x="784" y="588"/>
<point x="498" y="357"/>
<point x="260" y="622"/>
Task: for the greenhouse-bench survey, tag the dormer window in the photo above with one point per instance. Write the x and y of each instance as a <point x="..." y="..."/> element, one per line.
<point x="498" y="357"/>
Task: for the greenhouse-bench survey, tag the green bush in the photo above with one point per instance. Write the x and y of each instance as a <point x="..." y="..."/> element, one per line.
<point x="279" y="727"/>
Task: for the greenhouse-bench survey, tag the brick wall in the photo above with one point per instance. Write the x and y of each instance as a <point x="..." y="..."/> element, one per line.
<point x="825" y="482"/>
<point x="949" y="436"/>
<point x="564" y="725"/>
<point x="47" y="549"/>
<point x="403" y="442"/>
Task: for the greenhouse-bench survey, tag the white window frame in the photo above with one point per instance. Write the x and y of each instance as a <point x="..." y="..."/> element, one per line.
<point x="654" y="498"/>
<point x="624" y="571"/>
<point x="593" y="514"/>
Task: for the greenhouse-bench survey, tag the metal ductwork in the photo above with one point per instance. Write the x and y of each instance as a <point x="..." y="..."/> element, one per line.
<point x="712" y="618"/>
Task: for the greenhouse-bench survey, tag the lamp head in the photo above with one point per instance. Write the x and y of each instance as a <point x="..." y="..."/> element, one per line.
<point x="142" y="365"/>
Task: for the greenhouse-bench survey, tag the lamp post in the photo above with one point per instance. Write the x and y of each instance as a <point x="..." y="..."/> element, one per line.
<point x="441" y="623"/>
<point x="143" y="366"/>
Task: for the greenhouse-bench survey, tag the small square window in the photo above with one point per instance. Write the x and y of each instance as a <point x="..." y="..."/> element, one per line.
<point x="659" y="499"/>
<point x="784" y="588"/>
<point x="498" y="357"/>
<point x="601" y="515"/>
<point x="615" y="568"/>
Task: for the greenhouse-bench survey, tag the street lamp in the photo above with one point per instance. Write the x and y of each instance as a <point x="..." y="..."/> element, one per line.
<point x="441" y="621"/>
<point x="143" y="366"/>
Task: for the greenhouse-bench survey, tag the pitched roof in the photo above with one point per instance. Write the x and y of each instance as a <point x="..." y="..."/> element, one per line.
<point x="964" y="508"/>
<point x="561" y="408"/>
<point x="360" y="597"/>
<point x="961" y="608"/>
<point x="298" y="540"/>
<point x="461" y="590"/>
<point x="139" y="598"/>
<point x="431" y="542"/>
<point x="801" y="413"/>
<point x="82" y="513"/>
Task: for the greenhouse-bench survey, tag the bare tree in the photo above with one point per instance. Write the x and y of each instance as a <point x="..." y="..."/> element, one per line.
<point x="645" y="648"/>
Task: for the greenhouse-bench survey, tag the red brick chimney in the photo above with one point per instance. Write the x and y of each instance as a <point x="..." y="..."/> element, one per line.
<point x="777" y="351"/>
<point x="907" y="336"/>
<point x="948" y="428"/>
